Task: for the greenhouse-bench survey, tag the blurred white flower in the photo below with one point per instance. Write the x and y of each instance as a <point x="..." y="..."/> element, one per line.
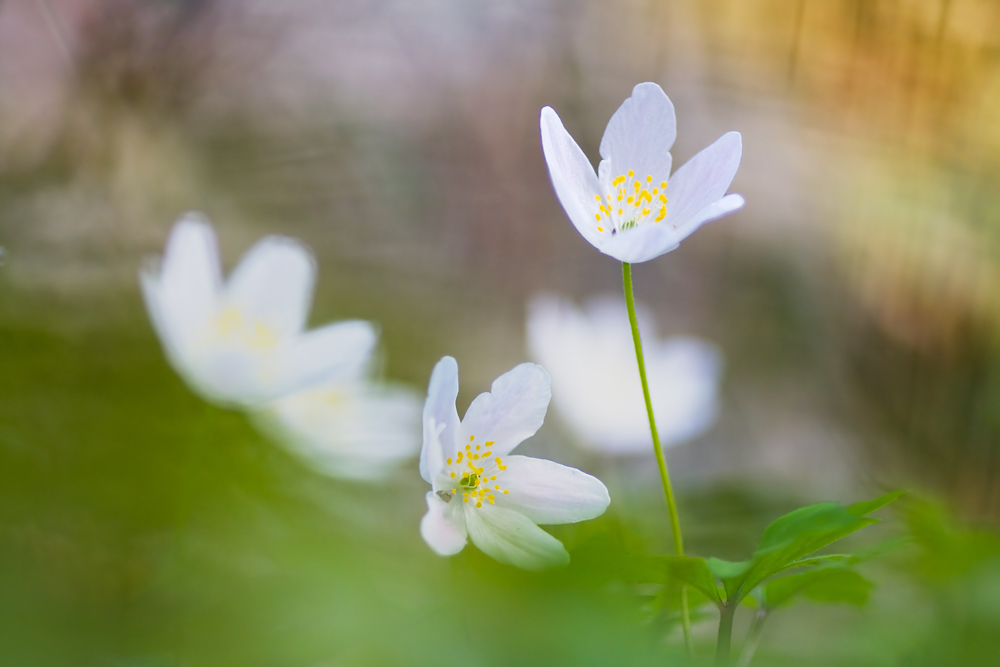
<point x="595" y="378"/>
<point x="623" y="209"/>
<point x="349" y="428"/>
<point x="480" y="492"/>
<point x="242" y="343"/>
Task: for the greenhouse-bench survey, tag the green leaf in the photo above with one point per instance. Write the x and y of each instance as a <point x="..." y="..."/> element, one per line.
<point x="729" y="572"/>
<point x="794" y="536"/>
<point x="832" y="584"/>
<point x="861" y="509"/>
<point x="694" y="572"/>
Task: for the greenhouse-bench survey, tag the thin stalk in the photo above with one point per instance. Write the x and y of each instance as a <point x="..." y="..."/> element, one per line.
<point x="668" y="491"/>
<point x="756" y="629"/>
<point x="725" y="634"/>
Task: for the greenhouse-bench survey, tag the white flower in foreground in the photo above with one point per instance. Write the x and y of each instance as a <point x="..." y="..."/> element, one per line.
<point x="632" y="209"/>
<point x="595" y="378"/>
<point x="243" y="342"/>
<point x="351" y="428"/>
<point x="479" y="491"/>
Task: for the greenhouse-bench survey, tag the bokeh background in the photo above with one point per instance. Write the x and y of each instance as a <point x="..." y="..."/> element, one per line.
<point x="856" y="299"/>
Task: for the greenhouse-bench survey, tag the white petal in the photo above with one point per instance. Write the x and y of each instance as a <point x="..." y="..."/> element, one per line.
<point x="701" y="182"/>
<point x="548" y="492"/>
<point x="652" y="240"/>
<point x="443" y="527"/>
<point x="335" y="352"/>
<point x="273" y="284"/>
<point x="511" y="538"/>
<point x="684" y="378"/>
<point x="641" y="244"/>
<point x="182" y="291"/>
<point x="357" y="430"/>
<point x="640" y="134"/>
<point x="440" y="418"/>
<point x="511" y="411"/>
<point x="573" y="177"/>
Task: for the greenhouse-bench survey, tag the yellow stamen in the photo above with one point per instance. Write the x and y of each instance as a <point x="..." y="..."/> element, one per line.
<point x="649" y="179"/>
<point x="631" y="174"/>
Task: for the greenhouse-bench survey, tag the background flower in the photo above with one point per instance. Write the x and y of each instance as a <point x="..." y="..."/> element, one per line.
<point x="243" y="342"/>
<point x="595" y="379"/>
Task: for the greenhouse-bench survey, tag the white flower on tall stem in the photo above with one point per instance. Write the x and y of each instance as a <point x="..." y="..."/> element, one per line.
<point x="595" y="379"/>
<point x="243" y="343"/>
<point x="633" y="209"/>
<point x="480" y="492"/>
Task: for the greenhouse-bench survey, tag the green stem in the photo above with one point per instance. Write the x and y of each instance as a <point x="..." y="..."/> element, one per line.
<point x="668" y="491"/>
<point x="725" y="634"/>
<point x="756" y="629"/>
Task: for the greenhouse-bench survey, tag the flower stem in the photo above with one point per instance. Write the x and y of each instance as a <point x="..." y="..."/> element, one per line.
<point x="725" y="634"/>
<point x="668" y="491"/>
<point x="746" y="655"/>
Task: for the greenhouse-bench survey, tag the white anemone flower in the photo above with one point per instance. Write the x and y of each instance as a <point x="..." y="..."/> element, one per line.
<point x="350" y="427"/>
<point x="595" y="378"/>
<point x="480" y="492"/>
<point x="243" y="343"/>
<point x="632" y="209"/>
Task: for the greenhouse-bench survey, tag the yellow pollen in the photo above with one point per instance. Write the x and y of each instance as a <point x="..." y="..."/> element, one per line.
<point x="649" y="179"/>
<point x="459" y="459"/>
<point x="630" y="199"/>
<point x="600" y="229"/>
<point x="465" y="500"/>
<point x="620" y="179"/>
<point x="471" y="438"/>
<point x="663" y="184"/>
<point x="597" y="216"/>
<point x="496" y="486"/>
<point x="449" y="461"/>
<point x="619" y="211"/>
<point x="597" y="197"/>
<point x="478" y="448"/>
<point x="663" y="199"/>
<point x="491" y="500"/>
<point x="454" y="490"/>
<point x="493" y="478"/>
<point x="655" y="190"/>
<point x="645" y="211"/>
<point x="478" y="504"/>
<point x="631" y="174"/>
<point x="497" y="460"/>
<point x="620" y="196"/>
<point x="636" y="185"/>
<point x="506" y="491"/>
<point x="453" y="474"/>
<point x="489" y="443"/>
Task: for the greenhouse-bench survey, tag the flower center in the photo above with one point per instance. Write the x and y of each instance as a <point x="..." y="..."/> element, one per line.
<point x="631" y="202"/>
<point x="473" y="474"/>
<point x="233" y="327"/>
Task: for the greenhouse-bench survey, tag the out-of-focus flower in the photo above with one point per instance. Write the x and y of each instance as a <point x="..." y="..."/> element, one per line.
<point x="479" y="491"/>
<point x="243" y="343"/>
<point x="351" y="427"/>
<point x="623" y="209"/>
<point x="595" y="378"/>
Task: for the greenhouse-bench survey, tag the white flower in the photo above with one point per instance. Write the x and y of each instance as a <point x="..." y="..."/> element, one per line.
<point x="349" y="428"/>
<point x="242" y="343"/>
<point x="623" y="209"/>
<point x="595" y="378"/>
<point x="479" y="491"/>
